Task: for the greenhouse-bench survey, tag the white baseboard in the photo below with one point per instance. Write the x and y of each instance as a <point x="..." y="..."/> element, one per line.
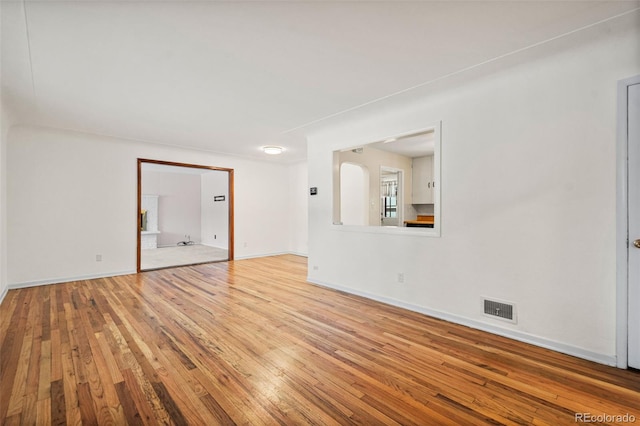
<point x="511" y="334"/>
<point x="299" y="253"/>
<point x="255" y="256"/>
<point x="213" y="246"/>
<point x="67" y="279"/>
<point x="3" y="294"/>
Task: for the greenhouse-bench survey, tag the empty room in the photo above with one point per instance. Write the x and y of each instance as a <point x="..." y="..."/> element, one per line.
<point x="319" y="212"/>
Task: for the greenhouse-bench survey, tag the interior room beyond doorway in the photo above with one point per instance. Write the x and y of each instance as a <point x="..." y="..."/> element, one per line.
<point x="185" y="214"/>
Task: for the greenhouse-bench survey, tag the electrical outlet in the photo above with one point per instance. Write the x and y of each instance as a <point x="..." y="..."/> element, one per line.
<point x="401" y="277"/>
<point x="244" y="245"/>
<point x="215" y="236"/>
<point x="315" y="267"/>
<point x="98" y="258"/>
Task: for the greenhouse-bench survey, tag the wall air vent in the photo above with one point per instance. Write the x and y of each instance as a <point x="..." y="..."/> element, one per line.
<point x="501" y="310"/>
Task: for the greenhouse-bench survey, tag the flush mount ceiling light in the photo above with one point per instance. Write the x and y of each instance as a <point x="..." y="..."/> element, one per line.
<point x="272" y="150"/>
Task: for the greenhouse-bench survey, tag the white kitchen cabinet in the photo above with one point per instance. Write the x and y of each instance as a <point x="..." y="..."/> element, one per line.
<point x="422" y="180"/>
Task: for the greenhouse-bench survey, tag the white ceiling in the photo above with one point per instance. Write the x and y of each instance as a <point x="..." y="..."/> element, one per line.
<point x="413" y="145"/>
<point x="232" y="76"/>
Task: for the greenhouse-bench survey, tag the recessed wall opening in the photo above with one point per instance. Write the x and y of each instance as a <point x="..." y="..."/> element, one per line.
<point x="399" y="178"/>
<point x="184" y="215"/>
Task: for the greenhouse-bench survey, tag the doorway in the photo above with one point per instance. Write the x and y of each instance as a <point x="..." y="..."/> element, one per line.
<point x="628" y="224"/>
<point x="184" y="214"/>
<point x="390" y="196"/>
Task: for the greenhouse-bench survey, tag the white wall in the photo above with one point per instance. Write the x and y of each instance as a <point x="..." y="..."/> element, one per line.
<point x="178" y="205"/>
<point x="72" y="196"/>
<point x="4" y="131"/>
<point x="354" y="194"/>
<point x="528" y="195"/>
<point x="215" y="214"/>
<point x="5" y="124"/>
<point x="298" y="210"/>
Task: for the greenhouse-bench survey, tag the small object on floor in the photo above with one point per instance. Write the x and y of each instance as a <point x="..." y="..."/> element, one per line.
<point x="188" y="242"/>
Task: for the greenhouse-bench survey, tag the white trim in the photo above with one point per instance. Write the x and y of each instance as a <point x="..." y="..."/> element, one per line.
<point x="392" y="230"/>
<point x="622" y="225"/>
<point x="437" y="177"/>
<point x="4" y="293"/>
<point x="212" y="246"/>
<point x="254" y="256"/>
<point x="67" y="279"/>
<point x="511" y="334"/>
<point x="436" y="127"/>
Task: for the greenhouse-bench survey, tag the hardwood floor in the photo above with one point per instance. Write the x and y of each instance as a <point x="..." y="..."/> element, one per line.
<point x="250" y="342"/>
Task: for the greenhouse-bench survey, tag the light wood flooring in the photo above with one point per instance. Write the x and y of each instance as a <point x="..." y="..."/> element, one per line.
<point x="250" y="342"/>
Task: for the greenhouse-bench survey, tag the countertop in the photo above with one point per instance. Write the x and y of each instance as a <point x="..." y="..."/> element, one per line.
<point x="421" y="220"/>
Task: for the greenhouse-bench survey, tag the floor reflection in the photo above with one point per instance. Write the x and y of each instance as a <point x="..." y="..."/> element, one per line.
<point x="180" y="255"/>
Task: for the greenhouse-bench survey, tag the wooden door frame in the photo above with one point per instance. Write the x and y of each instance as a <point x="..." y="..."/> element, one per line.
<point x="141" y="161"/>
<point x="622" y="224"/>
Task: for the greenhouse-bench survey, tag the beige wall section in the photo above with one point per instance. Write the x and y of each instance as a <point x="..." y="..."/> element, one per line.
<point x="528" y="166"/>
<point x="373" y="159"/>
